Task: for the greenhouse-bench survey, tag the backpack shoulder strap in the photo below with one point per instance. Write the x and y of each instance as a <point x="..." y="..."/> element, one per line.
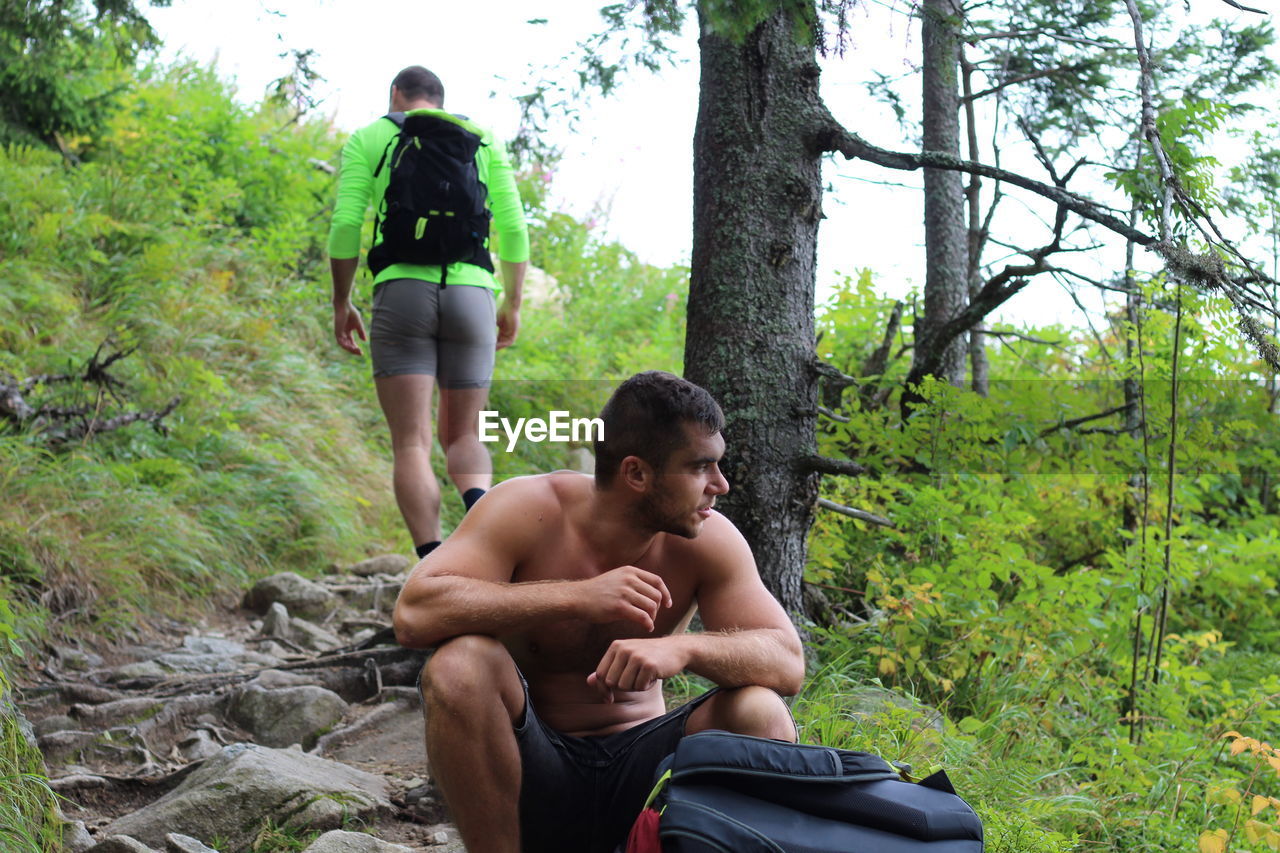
<point x="397" y="119"/>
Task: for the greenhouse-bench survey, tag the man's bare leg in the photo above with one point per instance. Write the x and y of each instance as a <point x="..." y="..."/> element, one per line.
<point x="466" y="457"/>
<point x="472" y="695"/>
<point x="748" y="710"/>
<point x="406" y="403"/>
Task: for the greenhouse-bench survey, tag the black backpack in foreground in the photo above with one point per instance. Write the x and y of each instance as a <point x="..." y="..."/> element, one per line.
<point x="433" y="211"/>
<point x="727" y="793"/>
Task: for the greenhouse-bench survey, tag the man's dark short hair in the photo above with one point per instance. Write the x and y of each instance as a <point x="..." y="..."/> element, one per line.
<point x="416" y="82"/>
<point x="646" y="417"/>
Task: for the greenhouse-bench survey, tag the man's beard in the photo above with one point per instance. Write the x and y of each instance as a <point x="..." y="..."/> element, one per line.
<point x="656" y="515"/>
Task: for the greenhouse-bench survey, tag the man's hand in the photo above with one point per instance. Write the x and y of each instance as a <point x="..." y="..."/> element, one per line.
<point x="625" y="593"/>
<point x="508" y="325"/>
<point x="347" y="324"/>
<point x="638" y="664"/>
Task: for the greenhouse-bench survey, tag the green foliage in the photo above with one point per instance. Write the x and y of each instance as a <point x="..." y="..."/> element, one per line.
<point x="1026" y="553"/>
<point x="63" y="70"/>
<point x="27" y="806"/>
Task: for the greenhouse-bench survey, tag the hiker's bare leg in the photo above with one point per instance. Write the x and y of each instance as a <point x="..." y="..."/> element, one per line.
<point x="406" y="403"/>
<point x="472" y="695"/>
<point x="466" y="457"/>
<point x="748" y="710"/>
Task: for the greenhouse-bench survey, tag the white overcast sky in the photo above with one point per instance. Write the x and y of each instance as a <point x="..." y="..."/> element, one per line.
<point x="632" y="153"/>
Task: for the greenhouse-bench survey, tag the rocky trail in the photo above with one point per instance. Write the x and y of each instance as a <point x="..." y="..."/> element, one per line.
<point x="295" y="714"/>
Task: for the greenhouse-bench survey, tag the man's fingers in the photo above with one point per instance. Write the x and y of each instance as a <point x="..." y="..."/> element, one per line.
<point x="599" y="685"/>
<point x="659" y="586"/>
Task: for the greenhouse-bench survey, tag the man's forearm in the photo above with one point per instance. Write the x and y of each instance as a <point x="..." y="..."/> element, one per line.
<point x="513" y="282"/>
<point x="436" y="609"/>
<point x="766" y="657"/>
<point x="343" y="273"/>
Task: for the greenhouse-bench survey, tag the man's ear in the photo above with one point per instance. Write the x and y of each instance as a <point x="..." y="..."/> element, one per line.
<point x="636" y="474"/>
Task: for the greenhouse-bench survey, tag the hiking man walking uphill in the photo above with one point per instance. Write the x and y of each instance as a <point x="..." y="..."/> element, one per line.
<point x="435" y="179"/>
<point x="560" y="604"/>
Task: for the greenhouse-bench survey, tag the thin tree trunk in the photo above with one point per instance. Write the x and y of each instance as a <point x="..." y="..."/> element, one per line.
<point x="946" y="285"/>
<point x="979" y="367"/>
<point x="750" y="334"/>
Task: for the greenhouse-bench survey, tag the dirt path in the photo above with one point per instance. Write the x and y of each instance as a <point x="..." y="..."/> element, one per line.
<point x="303" y="668"/>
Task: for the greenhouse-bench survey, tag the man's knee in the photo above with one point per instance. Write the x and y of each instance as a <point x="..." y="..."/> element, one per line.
<point x="750" y="710"/>
<point x="467" y="670"/>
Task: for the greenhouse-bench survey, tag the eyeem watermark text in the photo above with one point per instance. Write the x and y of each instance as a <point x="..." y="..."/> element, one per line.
<point x="557" y="426"/>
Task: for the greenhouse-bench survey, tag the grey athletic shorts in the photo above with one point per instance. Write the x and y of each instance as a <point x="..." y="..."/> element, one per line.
<point x="581" y="794"/>
<point x="420" y="327"/>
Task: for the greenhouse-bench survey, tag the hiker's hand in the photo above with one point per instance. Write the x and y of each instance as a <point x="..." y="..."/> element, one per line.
<point x="625" y="593"/>
<point x="638" y="664"/>
<point x="347" y="324"/>
<point x="508" y="325"/>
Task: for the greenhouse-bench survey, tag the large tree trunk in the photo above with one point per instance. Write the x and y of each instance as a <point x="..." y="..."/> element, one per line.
<point x="750" y="334"/>
<point x="946" y="283"/>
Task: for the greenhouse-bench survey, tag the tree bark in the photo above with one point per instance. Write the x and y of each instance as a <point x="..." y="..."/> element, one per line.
<point x="946" y="283"/>
<point x="750" y="335"/>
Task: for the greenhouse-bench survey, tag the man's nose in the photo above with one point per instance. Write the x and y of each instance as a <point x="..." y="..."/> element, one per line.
<point x="718" y="485"/>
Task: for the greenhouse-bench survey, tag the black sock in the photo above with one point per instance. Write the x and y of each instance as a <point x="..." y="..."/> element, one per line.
<point x="426" y="548"/>
<point x="470" y="496"/>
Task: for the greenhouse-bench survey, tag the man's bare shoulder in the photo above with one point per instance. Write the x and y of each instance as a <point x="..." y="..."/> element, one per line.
<point x="525" y="502"/>
<point x="551" y="491"/>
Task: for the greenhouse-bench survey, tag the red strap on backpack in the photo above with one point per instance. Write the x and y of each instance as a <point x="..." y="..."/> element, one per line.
<point x="644" y="834"/>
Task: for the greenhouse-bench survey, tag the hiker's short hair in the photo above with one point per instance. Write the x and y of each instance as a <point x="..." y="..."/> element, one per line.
<point x="646" y="417"/>
<point x="416" y="82"/>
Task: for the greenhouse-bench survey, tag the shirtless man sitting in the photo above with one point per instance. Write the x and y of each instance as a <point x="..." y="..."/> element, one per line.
<point x="558" y="606"/>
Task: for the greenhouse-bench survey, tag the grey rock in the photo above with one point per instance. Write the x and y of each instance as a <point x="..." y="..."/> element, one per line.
<point x="198" y="746"/>
<point x="272" y="679"/>
<point x="120" y="844"/>
<point x="76" y="837"/>
<point x="258" y="659"/>
<point x="233" y="794"/>
<point x="120" y="712"/>
<point x="383" y="564"/>
<point x="138" y="669"/>
<point x="62" y="745"/>
<point x="301" y="596"/>
<point x="378" y="596"/>
<point x="199" y="645"/>
<point x="275" y="650"/>
<point x="311" y="636"/>
<point x="276" y="622"/>
<point x="287" y="715"/>
<point x="57" y="723"/>
<point x="176" y="842"/>
<point x="341" y="841"/>
<point x="197" y="663"/>
<point x="77" y="659"/>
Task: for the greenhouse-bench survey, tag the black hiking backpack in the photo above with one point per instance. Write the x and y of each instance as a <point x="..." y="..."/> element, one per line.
<point x="433" y="211"/>
<point x="728" y="793"/>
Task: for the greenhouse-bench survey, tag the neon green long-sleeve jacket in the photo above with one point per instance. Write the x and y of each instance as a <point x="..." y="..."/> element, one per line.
<point x="357" y="188"/>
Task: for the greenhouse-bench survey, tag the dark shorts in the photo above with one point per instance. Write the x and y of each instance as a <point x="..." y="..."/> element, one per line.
<point x="581" y="794"/>
<point x="420" y="327"/>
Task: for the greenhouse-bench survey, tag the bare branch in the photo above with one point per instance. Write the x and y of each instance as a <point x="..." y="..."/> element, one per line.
<point x="859" y="514"/>
<point x="1075" y="422"/>
<point x="827" y="465"/>
<point x="1233" y="4"/>
<point x="1024" y="78"/>
<point x="835" y="416"/>
<point x="833" y="137"/>
<point x="1010" y="333"/>
<point x="826" y="371"/>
